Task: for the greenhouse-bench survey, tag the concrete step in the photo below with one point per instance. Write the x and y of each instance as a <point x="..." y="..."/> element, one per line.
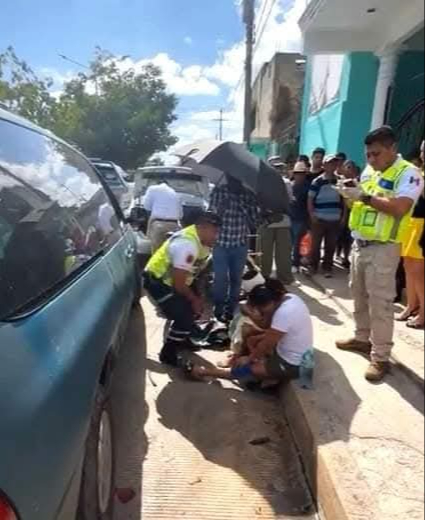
<point x="362" y="444"/>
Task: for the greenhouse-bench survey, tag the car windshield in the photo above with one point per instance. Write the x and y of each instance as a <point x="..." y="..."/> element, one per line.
<point x="188" y="184"/>
<point x="110" y="175"/>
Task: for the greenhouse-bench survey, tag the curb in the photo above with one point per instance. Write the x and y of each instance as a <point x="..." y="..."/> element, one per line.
<point x="335" y="481"/>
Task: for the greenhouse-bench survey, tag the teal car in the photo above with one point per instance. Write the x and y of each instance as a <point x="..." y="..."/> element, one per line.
<point x="68" y="281"/>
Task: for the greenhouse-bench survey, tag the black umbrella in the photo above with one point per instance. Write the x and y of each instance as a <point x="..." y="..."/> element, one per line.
<point x="236" y="161"/>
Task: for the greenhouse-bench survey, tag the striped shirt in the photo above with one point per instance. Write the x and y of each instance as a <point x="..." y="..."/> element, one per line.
<point x="328" y="203"/>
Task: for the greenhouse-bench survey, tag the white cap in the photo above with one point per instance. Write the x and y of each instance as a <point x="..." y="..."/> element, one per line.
<point x="330" y="158"/>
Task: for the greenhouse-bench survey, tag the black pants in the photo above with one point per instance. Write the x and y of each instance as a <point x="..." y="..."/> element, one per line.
<point x="176" y="309"/>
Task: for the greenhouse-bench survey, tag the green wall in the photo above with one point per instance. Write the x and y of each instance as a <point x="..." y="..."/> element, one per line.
<point x="358" y="107"/>
<point x="410" y="87"/>
<point x="342" y="126"/>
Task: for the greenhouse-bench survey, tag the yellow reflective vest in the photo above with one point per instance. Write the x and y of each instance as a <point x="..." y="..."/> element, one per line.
<point x="160" y="265"/>
<point x="375" y="225"/>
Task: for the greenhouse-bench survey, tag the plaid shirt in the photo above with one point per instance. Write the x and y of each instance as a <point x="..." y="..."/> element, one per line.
<point x="240" y="214"/>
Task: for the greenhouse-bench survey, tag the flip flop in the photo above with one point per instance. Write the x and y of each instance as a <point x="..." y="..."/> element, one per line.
<point x="415" y="326"/>
<point x="400" y="318"/>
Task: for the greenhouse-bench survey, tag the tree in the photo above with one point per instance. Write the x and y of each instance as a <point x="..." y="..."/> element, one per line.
<point x="117" y="113"/>
<point x="113" y="112"/>
<point x="22" y="91"/>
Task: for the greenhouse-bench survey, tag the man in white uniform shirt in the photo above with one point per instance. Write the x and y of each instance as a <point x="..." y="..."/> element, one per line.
<point x="166" y="210"/>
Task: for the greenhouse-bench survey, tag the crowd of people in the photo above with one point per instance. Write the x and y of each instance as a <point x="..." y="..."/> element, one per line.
<point x="362" y="219"/>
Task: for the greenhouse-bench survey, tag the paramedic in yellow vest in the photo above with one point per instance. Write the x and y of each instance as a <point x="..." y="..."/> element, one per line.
<point x="170" y="274"/>
<point x="382" y="205"/>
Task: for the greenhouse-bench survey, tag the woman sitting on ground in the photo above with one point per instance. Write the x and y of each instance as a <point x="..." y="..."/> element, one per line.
<point x="277" y="354"/>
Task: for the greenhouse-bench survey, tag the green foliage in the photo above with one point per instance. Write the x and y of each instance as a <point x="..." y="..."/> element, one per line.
<point x="113" y="111"/>
<point x="23" y="92"/>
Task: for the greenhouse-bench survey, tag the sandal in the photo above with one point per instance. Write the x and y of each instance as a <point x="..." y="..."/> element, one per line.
<point x="413" y="324"/>
<point x="405" y="315"/>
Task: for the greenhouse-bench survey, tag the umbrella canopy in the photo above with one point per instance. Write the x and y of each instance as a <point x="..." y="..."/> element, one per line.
<point x="235" y="160"/>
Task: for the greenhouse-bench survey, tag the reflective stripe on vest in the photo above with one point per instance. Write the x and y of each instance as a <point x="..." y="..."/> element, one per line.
<point x="160" y="265"/>
<point x="375" y="225"/>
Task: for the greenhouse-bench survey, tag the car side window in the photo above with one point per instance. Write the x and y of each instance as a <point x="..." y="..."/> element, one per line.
<point x="55" y="217"/>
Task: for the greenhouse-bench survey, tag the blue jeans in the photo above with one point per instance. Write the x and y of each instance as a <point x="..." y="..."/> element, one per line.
<point x="229" y="265"/>
<point x="299" y="229"/>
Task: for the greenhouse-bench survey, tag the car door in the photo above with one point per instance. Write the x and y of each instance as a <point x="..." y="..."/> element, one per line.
<point x="65" y="289"/>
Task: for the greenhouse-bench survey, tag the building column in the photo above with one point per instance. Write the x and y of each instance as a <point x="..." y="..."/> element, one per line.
<point x="387" y="71"/>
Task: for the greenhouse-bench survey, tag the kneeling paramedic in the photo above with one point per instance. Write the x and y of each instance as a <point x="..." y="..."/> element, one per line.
<point x="169" y="277"/>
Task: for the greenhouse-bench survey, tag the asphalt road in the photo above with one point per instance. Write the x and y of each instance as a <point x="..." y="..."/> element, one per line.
<point x="184" y="449"/>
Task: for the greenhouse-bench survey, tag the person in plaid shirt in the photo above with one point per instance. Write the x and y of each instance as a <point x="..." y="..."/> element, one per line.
<point x="240" y="215"/>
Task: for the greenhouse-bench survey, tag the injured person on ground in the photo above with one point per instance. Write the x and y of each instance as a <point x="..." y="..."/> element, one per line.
<point x="277" y="340"/>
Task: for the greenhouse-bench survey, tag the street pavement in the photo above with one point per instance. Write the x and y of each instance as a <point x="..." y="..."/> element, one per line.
<point x="184" y="449"/>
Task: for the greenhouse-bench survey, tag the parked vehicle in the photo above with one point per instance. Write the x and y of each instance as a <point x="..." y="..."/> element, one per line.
<point x="68" y="279"/>
<point x="117" y="180"/>
<point x="194" y="191"/>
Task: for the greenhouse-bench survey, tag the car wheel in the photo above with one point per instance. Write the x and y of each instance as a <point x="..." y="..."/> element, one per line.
<point x="97" y="488"/>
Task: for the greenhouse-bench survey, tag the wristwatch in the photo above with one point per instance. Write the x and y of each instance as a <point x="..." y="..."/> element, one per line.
<point x="367" y="199"/>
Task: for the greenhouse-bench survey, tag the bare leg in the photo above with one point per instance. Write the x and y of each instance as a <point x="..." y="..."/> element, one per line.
<point x="418" y="276"/>
<point x="202" y="372"/>
<point x="412" y="297"/>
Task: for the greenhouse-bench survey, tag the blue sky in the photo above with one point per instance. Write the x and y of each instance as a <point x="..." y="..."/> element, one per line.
<point x="197" y="43"/>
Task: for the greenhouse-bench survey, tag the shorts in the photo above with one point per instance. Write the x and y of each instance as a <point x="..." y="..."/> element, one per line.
<point x="278" y="368"/>
<point x="412" y="244"/>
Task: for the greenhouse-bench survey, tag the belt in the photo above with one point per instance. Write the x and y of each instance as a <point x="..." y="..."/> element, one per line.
<point x="165" y="220"/>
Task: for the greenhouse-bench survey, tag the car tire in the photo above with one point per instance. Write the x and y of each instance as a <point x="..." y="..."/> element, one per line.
<point x="98" y="480"/>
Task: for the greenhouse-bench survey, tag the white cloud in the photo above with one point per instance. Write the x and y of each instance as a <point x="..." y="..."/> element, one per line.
<point x="228" y="69"/>
<point x="183" y="81"/>
<point x="188" y="40"/>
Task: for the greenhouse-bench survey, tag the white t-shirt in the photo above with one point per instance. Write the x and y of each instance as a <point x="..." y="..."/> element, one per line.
<point x="163" y="203"/>
<point x="411" y="186"/>
<point x="106" y="213"/>
<point x="183" y="254"/>
<point x="294" y="319"/>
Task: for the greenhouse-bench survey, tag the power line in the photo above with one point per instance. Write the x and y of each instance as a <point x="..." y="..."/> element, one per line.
<point x="261" y="32"/>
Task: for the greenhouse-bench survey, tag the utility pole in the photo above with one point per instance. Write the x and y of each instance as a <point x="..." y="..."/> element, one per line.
<point x="221" y="122"/>
<point x="249" y="21"/>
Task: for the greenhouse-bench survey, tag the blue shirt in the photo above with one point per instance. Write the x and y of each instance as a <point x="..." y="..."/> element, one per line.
<point x="328" y="203"/>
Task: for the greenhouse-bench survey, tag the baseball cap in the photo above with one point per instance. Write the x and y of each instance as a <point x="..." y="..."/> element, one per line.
<point x="209" y="217"/>
<point x="330" y="158"/>
<point x="276" y="161"/>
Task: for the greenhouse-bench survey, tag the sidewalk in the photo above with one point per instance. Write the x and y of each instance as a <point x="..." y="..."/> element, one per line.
<point x="362" y="444"/>
<point x="409" y="345"/>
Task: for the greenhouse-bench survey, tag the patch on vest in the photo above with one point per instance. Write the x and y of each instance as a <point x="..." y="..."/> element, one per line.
<point x="386" y="184"/>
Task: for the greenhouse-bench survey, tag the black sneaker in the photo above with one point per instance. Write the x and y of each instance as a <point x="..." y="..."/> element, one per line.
<point x="169" y="357"/>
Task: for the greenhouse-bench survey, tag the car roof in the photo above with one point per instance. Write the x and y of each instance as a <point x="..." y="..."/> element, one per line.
<point x="21" y="121"/>
<point x="15" y="119"/>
